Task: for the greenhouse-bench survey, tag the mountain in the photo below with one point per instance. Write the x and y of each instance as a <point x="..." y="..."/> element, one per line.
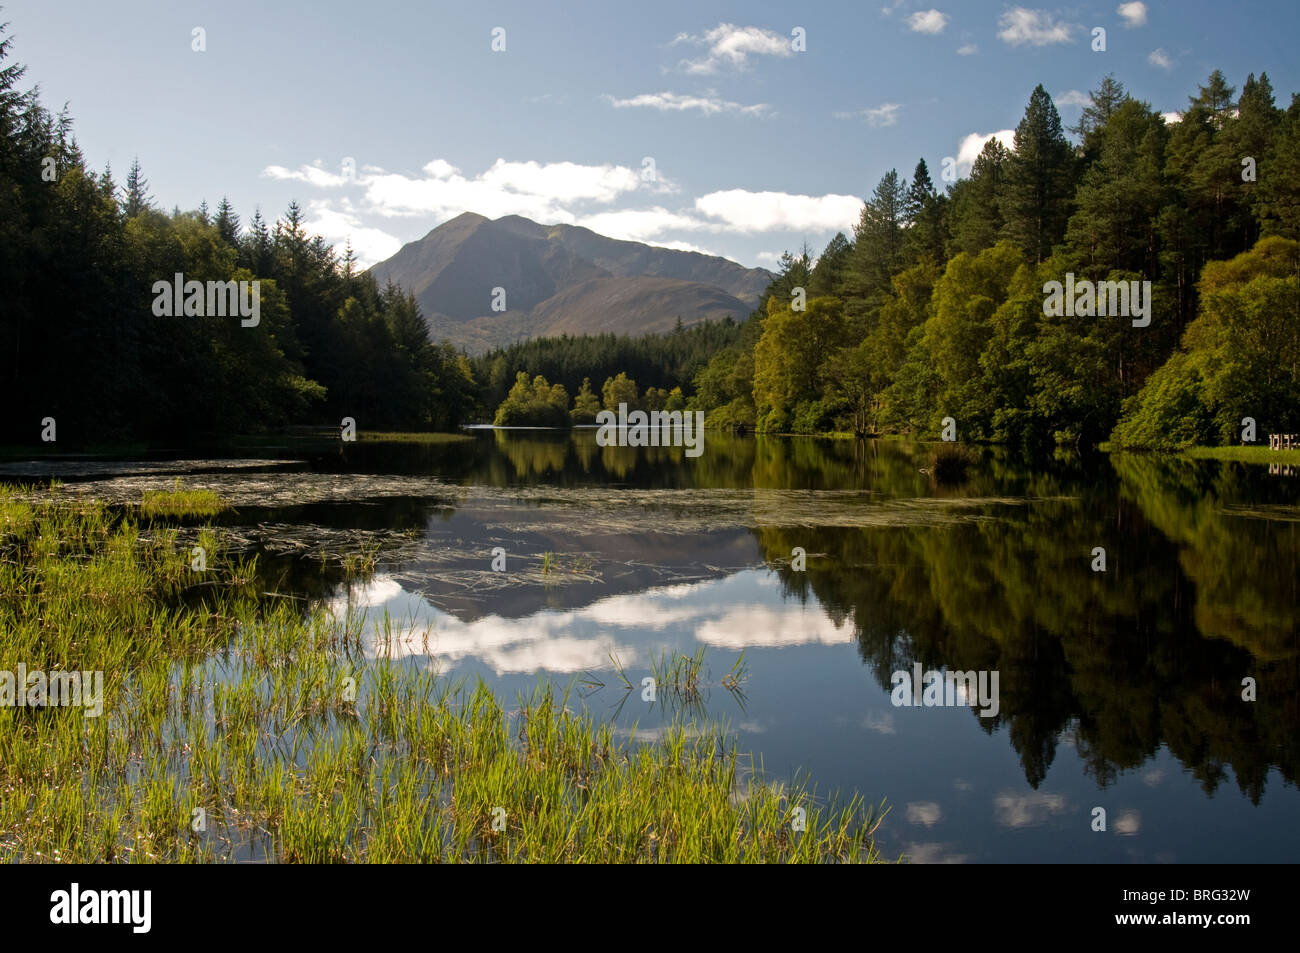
<point x="560" y="279"/>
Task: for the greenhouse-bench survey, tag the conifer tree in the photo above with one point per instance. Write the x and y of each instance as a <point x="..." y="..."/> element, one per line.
<point x="1036" y="205"/>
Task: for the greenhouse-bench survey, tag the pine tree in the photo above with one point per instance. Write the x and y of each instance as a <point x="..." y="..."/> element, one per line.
<point x="977" y="202"/>
<point x="1106" y="98"/>
<point x="1036" y="205"/>
<point x="828" y="273"/>
<point x="924" y="211"/>
<point x="227" y="223"/>
<point x="1277" y="204"/>
<point x="878" y="245"/>
<point x="919" y="195"/>
<point x="106" y="184"/>
<point x="137" y="197"/>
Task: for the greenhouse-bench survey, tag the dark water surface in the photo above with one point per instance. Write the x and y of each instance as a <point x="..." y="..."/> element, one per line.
<point x="1119" y="689"/>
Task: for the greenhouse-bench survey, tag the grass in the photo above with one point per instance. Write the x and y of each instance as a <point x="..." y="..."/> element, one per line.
<point x="181" y="502"/>
<point x="1244" y="455"/>
<point x="240" y="727"/>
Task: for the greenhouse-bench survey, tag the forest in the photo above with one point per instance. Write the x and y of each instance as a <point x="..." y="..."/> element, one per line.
<point x="939" y="305"/>
<point x="80" y="344"/>
<point x="934" y="308"/>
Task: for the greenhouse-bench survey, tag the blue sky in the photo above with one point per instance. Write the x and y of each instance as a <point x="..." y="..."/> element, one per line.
<point x="756" y="146"/>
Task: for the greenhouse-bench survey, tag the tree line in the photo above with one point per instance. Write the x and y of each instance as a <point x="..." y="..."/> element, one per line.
<point x="79" y="343"/>
<point x="935" y="307"/>
<point x="539" y="403"/>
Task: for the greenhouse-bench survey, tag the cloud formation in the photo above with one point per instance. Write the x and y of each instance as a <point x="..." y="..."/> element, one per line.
<point x="927" y="21"/>
<point x="1073" y="97"/>
<point x="710" y="104"/>
<point x="1020" y="26"/>
<point x="733" y="47"/>
<point x="886" y="114"/>
<point x="1134" y="14"/>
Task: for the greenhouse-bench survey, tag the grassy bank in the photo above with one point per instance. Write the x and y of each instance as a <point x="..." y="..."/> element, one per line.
<point x="399" y="437"/>
<point x="235" y="726"/>
<point x="1244" y="455"/>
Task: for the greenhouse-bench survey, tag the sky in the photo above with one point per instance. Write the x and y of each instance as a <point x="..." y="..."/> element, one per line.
<point x="740" y="130"/>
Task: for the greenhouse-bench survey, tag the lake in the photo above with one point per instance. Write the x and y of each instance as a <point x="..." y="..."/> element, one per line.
<point x="808" y="572"/>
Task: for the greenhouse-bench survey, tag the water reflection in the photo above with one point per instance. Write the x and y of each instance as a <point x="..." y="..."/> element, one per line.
<point x="1121" y="689"/>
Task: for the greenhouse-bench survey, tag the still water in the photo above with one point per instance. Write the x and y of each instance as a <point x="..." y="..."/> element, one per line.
<point x="1119" y="690"/>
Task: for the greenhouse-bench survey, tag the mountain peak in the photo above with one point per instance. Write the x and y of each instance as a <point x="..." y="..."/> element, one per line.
<point x="560" y="279"/>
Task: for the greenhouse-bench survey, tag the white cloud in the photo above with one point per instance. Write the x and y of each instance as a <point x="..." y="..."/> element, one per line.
<point x="1128" y="823"/>
<point x="1073" y="98"/>
<point x="687" y="246"/>
<point x="971" y="145"/>
<point x="1134" y="14"/>
<point x="769" y="626"/>
<point x="1028" y="810"/>
<point x="924" y="813"/>
<point x="934" y="854"/>
<point x="880" y="723"/>
<point x="1020" y="25"/>
<point x="927" y="21"/>
<point x="967" y="49"/>
<point x="1171" y="118"/>
<point x="731" y="45"/>
<point x="562" y="181"/>
<point x="315" y="174"/>
<point x="593" y="196"/>
<point x="540" y="191"/>
<point x="747" y="211"/>
<point x="371" y="245"/>
<point x="709" y="104"/>
<point x="582" y="639"/>
<point x="886" y="114"/>
<point x="1160" y="58"/>
<point x="769" y="256"/>
<point x="641" y="224"/>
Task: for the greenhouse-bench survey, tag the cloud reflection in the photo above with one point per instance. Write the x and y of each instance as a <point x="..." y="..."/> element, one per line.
<point x="734" y="613"/>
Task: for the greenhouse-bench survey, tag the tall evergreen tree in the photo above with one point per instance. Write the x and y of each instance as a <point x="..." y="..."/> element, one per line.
<point x="1105" y="99"/>
<point x="227" y="223"/>
<point x="877" y="246"/>
<point x="1040" y="180"/>
<point x="977" y="202"/>
<point x="136" y="199"/>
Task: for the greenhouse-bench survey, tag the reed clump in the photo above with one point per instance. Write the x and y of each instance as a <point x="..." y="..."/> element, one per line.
<point x="181" y="501"/>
